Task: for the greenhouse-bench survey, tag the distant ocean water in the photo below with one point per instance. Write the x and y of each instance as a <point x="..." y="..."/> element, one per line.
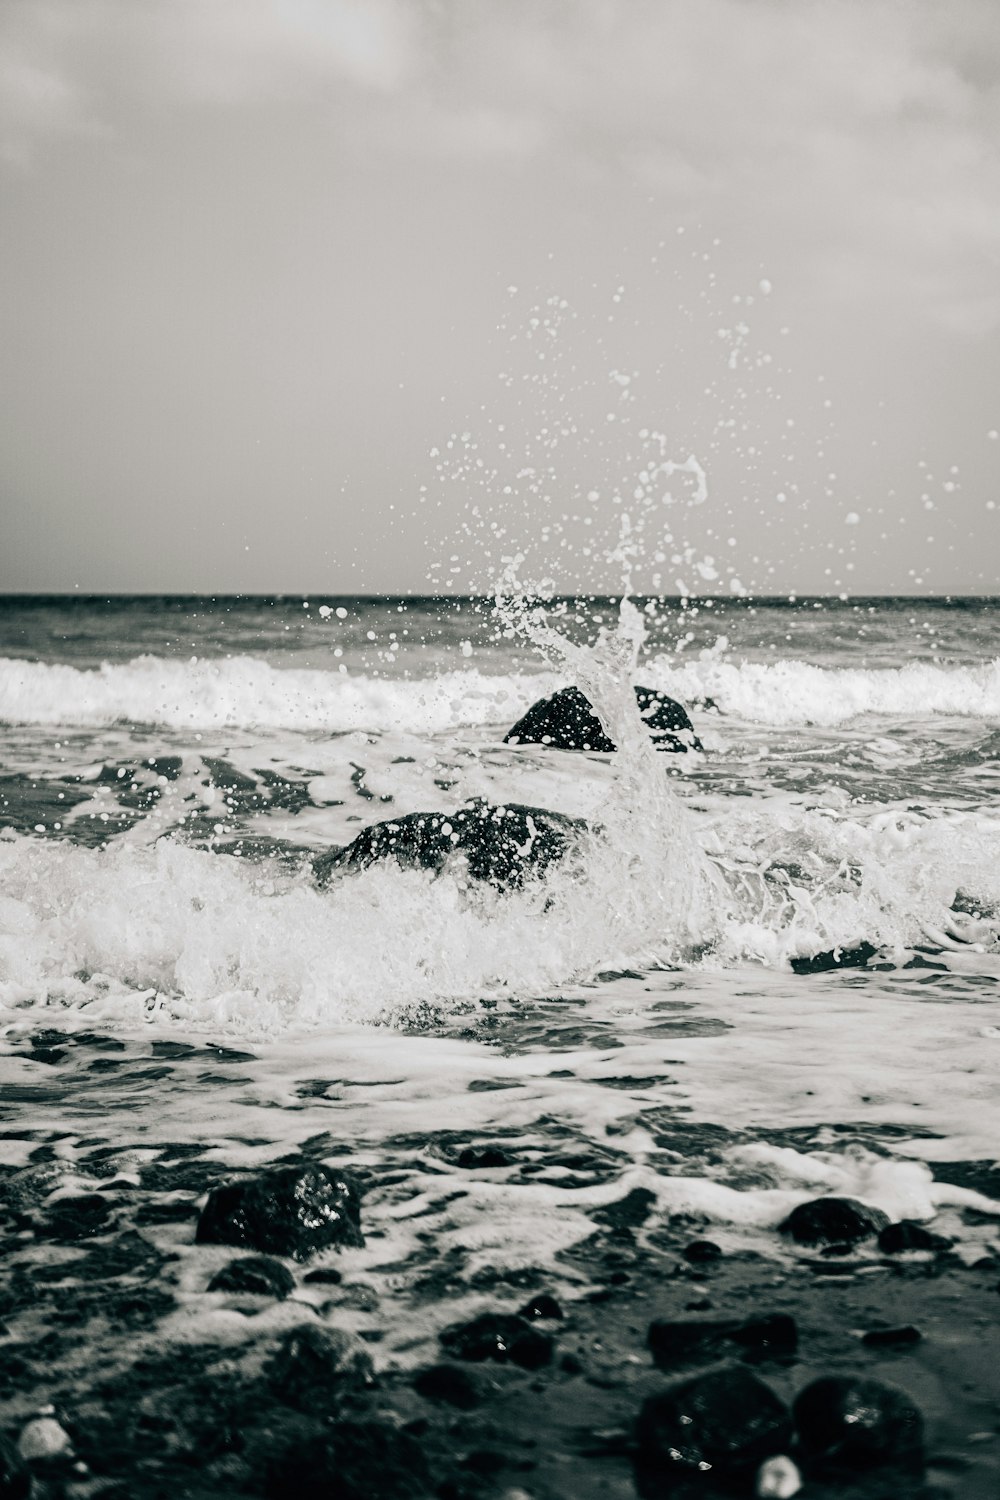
<point x="169" y="767"/>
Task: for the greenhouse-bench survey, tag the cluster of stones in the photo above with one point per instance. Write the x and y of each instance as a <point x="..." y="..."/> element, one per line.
<point x="724" y="1426"/>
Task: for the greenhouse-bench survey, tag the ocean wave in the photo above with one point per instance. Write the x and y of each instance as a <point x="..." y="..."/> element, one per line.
<point x="247" y="692"/>
<point x="797" y="693"/>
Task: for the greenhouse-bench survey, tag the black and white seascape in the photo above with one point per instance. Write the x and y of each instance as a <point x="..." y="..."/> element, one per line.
<point x="499" y="729"/>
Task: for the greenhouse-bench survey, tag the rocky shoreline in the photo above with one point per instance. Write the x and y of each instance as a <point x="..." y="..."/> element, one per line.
<point x="857" y="1362"/>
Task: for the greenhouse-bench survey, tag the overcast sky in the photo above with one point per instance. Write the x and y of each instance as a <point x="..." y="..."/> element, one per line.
<point x="261" y="260"/>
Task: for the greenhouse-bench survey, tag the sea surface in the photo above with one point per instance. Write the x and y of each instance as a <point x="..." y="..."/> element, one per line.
<point x="170" y="972"/>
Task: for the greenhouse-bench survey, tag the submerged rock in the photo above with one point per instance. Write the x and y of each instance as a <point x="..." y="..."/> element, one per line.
<point x="499" y="844"/>
<point x="351" y="1461"/>
<point x="906" y="1235"/>
<point x="501" y="1337"/>
<point x="859" y="1423"/>
<point x="720" y="1424"/>
<point x="833" y="1221"/>
<point x="566" y="721"/>
<point x="314" y="1365"/>
<point x="449" y="1383"/>
<point x="835" y="958"/>
<point x="673" y="1341"/>
<point x="258" y="1275"/>
<point x="291" y="1211"/>
<point x="903" y="1337"/>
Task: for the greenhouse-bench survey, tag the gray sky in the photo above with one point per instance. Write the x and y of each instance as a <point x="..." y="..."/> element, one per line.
<point x="255" y="266"/>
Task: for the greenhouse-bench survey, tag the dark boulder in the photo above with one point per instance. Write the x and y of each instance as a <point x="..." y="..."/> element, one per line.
<point x="501" y="1337"/>
<point x="566" y="721"/>
<point x="857" y="1423"/>
<point x="314" y="1366"/>
<point x="293" y="1211"/>
<point x="906" y="1235"/>
<point x="702" y="1252"/>
<point x="499" y="844"/>
<point x="903" y="1337"/>
<point x="833" y="1221"/>
<point x="258" y="1275"/>
<point x="717" y="1426"/>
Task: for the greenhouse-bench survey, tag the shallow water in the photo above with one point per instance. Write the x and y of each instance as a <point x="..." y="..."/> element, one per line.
<point x="177" y="996"/>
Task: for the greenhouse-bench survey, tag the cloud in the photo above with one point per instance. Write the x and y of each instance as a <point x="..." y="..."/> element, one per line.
<point x="859" y="134"/>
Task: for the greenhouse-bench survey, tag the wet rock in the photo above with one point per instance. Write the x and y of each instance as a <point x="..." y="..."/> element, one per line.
<point x="833" y="1220"/>
<point x="15" y="1481"/>
<point x="44" y="1440"/>
<point x="501" y="1337"/>
<point x="778" y="1479"/>
<point x="724" y="1423"/>
<point x="702" y="1252"/>
<point x="351" y="1461"/>
<point x="488" y="1156"/>
<point x="894" y="1239"/>
<point x="672" y="1342"/>
<point x="892" y="1338"/>
<point x="542" y="1306"/>
<point x="451" y="1384"/>
<point x="857" y="1423"/>
<point x="835" y="958"/>
<point x="314" y="1366"/>
<point x="324" y="1276"/>
<point x="500" y="845"/>
<point x="293" y="1211"/>
<point x="566" y="721"/>
<point x="258" y="1275"/>
<point x="75" y="1218"/>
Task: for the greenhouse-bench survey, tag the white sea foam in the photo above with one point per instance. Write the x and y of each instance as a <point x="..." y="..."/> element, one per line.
<point x="797" y="693"/>
<point x="247" y="692"/>
<point x="244" y="691"/>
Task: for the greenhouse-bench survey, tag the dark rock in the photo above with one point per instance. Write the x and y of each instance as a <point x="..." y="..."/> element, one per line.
<point x="701" y="1252"/>
<point x="499" y="1336"/>
<point x="723" y="1423"/>
<point x="449" y="1383"/>
<point x="324" y="1275"/>
<point x="906" y="1235"/>
<point x="489" y="1156"/>
<point x="566" y="721"/>
<point x="256" y="1274"/>
<point x="672" y="1342"/>
<point x="314" y="1366"/>
<point x="15" y="1480"/>
<point x="291" y="1211"/>
<point x="351" y="1461"/>
<point x="74" y="1218"/>
<point x="542" y="1306"/>
<point x="833" y="1221"/>
<point x="773" y="1334"/>
<point x="835" y="958"/>
<point x="859" y="1423"/>
<point x="499" y="844"/>
<point x="892" y="1338"/>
